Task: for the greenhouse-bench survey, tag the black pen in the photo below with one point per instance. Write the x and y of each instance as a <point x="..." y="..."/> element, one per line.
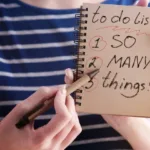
<point x="47" y="104"/>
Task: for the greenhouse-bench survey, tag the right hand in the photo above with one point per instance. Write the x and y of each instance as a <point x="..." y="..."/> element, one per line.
<point x="56" y="135"/>
<point x="134" y="129"/>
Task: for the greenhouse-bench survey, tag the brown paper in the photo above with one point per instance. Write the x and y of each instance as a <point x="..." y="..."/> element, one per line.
<point x="117" y="42"/>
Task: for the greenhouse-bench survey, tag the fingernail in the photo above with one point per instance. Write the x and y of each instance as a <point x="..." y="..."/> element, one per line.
<point x="68" y="72"/>
<point x="63" y="89"/>
<point x="136" y="2"/>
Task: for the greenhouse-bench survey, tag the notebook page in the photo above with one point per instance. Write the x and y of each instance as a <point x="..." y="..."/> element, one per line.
<point x="117" y="42"/>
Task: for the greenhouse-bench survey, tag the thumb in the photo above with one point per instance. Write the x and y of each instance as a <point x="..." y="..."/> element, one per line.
<point x="27" y="105"/>
<point x="69" y="76"/>
<point x="142" y="3"/>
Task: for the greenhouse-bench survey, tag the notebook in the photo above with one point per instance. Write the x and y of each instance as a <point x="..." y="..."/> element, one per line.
<point x="116" y="40"/>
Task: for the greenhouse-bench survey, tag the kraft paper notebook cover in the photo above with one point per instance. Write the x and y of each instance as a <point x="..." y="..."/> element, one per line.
<point x="115" y="39"/>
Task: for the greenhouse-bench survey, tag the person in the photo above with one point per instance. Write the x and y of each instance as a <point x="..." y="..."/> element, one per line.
<point x="36" y="45"/>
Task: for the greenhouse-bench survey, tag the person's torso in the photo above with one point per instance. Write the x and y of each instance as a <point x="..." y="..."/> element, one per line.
<point x="36" y="46"/>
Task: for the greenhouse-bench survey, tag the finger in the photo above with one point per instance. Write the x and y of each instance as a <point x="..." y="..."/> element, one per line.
<point x="76" y="130"/>
<point x="68" y="76"/>
<point x="25" y="106"/>
<point x="60" y="120"/>
<point x="59" y="138"/>
<point x="142" y="3"/>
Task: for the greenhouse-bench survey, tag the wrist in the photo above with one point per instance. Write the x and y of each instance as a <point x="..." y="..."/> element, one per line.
<point x="137" y="133"/>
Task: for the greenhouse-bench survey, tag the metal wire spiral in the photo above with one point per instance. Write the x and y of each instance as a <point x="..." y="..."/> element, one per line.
<point x="80" y="44"/>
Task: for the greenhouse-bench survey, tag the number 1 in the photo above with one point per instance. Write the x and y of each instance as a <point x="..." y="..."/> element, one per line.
<point x="97" y="41"/>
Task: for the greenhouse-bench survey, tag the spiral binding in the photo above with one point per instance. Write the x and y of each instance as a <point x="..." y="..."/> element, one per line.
<point x="80" y="34"/>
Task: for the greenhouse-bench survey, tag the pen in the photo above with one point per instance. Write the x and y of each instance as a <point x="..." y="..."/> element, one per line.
<point x="47" y="104"/>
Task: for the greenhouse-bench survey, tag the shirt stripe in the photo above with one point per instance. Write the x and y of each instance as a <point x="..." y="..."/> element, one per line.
<point x="35" y="46"/>
<point x="107" y="139"/>
<point x="37" y="60"/>
<point x="19" y="88"/>
<point x="40" y="31"/>
<point x="9" y="6"/>
<point x="38" y="17"/>
<point x="32" y="74"/>
<point x="97" y="126"/>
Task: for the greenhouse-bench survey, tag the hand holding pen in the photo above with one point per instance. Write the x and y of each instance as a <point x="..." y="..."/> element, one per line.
<point x="57" y="134"/>
<point x="49" y="102"/>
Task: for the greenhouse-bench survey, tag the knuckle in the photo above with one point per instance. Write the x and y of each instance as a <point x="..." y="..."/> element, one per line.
<point x="67" y="117"/>
<point x="44" y="90"/>
<point x="20" y="105"/>
<point x="58" y="148"/>
<point x="76" y="124"/>
<point x="38" y="139"/>
<point x="72" y="122"/>
<point x="78" y="128"/>
<point x="23" y="106"/>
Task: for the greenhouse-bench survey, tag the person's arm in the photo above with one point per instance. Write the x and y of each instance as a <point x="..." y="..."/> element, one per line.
<point x="138" y="133"/>
<point x="135" y="130"/>
<point x="56" y="135"/>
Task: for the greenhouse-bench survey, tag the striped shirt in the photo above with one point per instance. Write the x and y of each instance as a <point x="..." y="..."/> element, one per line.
<point x="36" y="45"/>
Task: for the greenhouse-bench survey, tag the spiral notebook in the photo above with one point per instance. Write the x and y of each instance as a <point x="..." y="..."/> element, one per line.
<point x="115" y="39"/>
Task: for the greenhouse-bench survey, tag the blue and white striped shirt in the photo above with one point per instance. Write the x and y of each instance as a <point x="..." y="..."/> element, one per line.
<point x="36" y="46"/>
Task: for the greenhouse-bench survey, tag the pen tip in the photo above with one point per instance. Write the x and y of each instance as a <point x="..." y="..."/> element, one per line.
<point x="93" y="73"/>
